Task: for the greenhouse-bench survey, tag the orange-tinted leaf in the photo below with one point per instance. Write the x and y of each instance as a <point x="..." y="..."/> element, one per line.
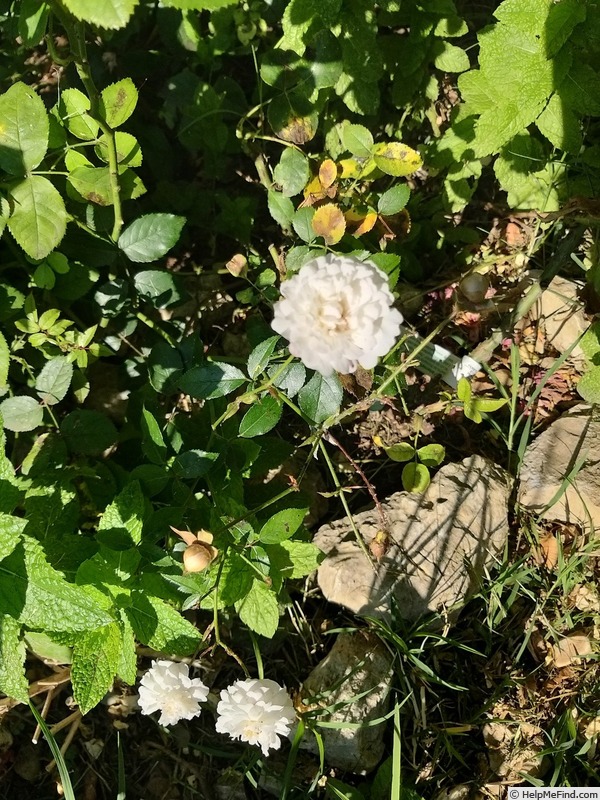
<point x="367" y="223"/>
<point x="327" y="173"/>
<point x="395" y="158"/>
<point x="329" y="222"/>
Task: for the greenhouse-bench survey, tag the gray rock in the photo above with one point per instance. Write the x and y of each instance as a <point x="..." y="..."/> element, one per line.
<point x="574" y="438"/>
<point x="355" y="677"/>
<point x="441" y="543"/>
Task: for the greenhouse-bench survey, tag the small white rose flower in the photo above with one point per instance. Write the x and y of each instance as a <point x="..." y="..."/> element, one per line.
<point x="336" y="313"/>
<point x="257" y="712"/>
<point x="168" y="688"/>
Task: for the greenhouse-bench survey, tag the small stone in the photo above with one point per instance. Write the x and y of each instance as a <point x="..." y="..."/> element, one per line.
<point x="440" y="544"/>
<point x="549" y="459"/>
<point x="356" y="677"/>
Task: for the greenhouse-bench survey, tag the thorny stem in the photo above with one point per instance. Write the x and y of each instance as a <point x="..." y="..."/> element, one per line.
<point x="329" y="438"/>
<point x="359" y="540"/>
<point x="76" y="32"/>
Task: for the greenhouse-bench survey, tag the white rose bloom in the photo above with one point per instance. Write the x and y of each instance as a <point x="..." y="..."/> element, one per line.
<point x="337" y="313"/>
<point x="257" y="712"/>
<point x="168" y="688"/>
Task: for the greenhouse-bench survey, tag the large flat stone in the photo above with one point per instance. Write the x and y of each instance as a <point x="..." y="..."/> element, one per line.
<point x="441" y="543"/>
<point x="574" y="439"/>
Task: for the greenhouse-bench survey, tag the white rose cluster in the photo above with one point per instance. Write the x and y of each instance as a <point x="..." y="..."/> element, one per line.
<point x="259" y="712"/>
<point x="337" y="314"/>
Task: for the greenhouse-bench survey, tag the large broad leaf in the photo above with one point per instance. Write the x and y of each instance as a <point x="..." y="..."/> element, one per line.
<point x="95" y="663"/>
<point x="104" y="13"/>
<point x="121" y="524"/>
<point x="12" y="660"/>
<point x="38" y="596"/>
<point x="160" y="626"/>
<point x="151" y="236"/>
<point x="23" y="130"/>
<point x="39" y="218"/>
<point x="54" y="380"/>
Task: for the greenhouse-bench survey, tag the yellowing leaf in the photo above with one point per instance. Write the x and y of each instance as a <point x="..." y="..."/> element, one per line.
<point x="329" y="222"/>
<point x="327" y="173"/>
<point x="366" y="221"/>
<point x="395" y="158"/>
<point x="357" y="168"/>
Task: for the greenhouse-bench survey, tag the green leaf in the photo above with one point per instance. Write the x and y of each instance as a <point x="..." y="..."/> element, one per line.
<point x="194" y="463"/>
<point x="88" y="432"/>
<point x="431" y="455"/>
<point x="450" y="58"/>
<point x="357" y="139"/>
<point x="4" y="361"/>
<point x="153" y="443"/>
<point x="160" y="626"/>
<point x="54" y="380"/>
<point x="128" y="149"/>
<point x="293" y="172"/>
<point x="33" y="19"/>
<point x="110" y="14"/>
<point x="165" y="365"/>
<point x="394" y="200"/>
<point x="93" y="184"/>
<point x="72" y="110"/>
<point x="415" y="478"/>
<point x="302" y="224"/>
<point x="21" y="413"/>
<point x="150" y="237"/>
<point x="588" y="386"/>
<point x="261" y="417"/>
<point x="158" y="286"/>
<point x="560" y="126"/>
<point x="259" y="610"/>
<point x="127" y="669"/>
<point x="326" y="66"/>
<point x="200" y="5"/>
<point x="236" y="579"/>
<point x="291" y="380"/>
<point x="259" y="357"/>
<point x="321" y="397"/>
<point x="24" y="130"/>
<point x="121" y="524"/>
<point x="282" y="525"/>
<point x="39" y="218"/>
<point x="45" y="648"/>
<point x="211" y="380"/>
<point x="281" y="208"/>
<point x="38" y="596"/>
<point x="12" y="660"/>
<point x="95" y="663"/>
<point x="401" y="451"/>
<point x="294" y="559"/>
<point x="450" y="26"/>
